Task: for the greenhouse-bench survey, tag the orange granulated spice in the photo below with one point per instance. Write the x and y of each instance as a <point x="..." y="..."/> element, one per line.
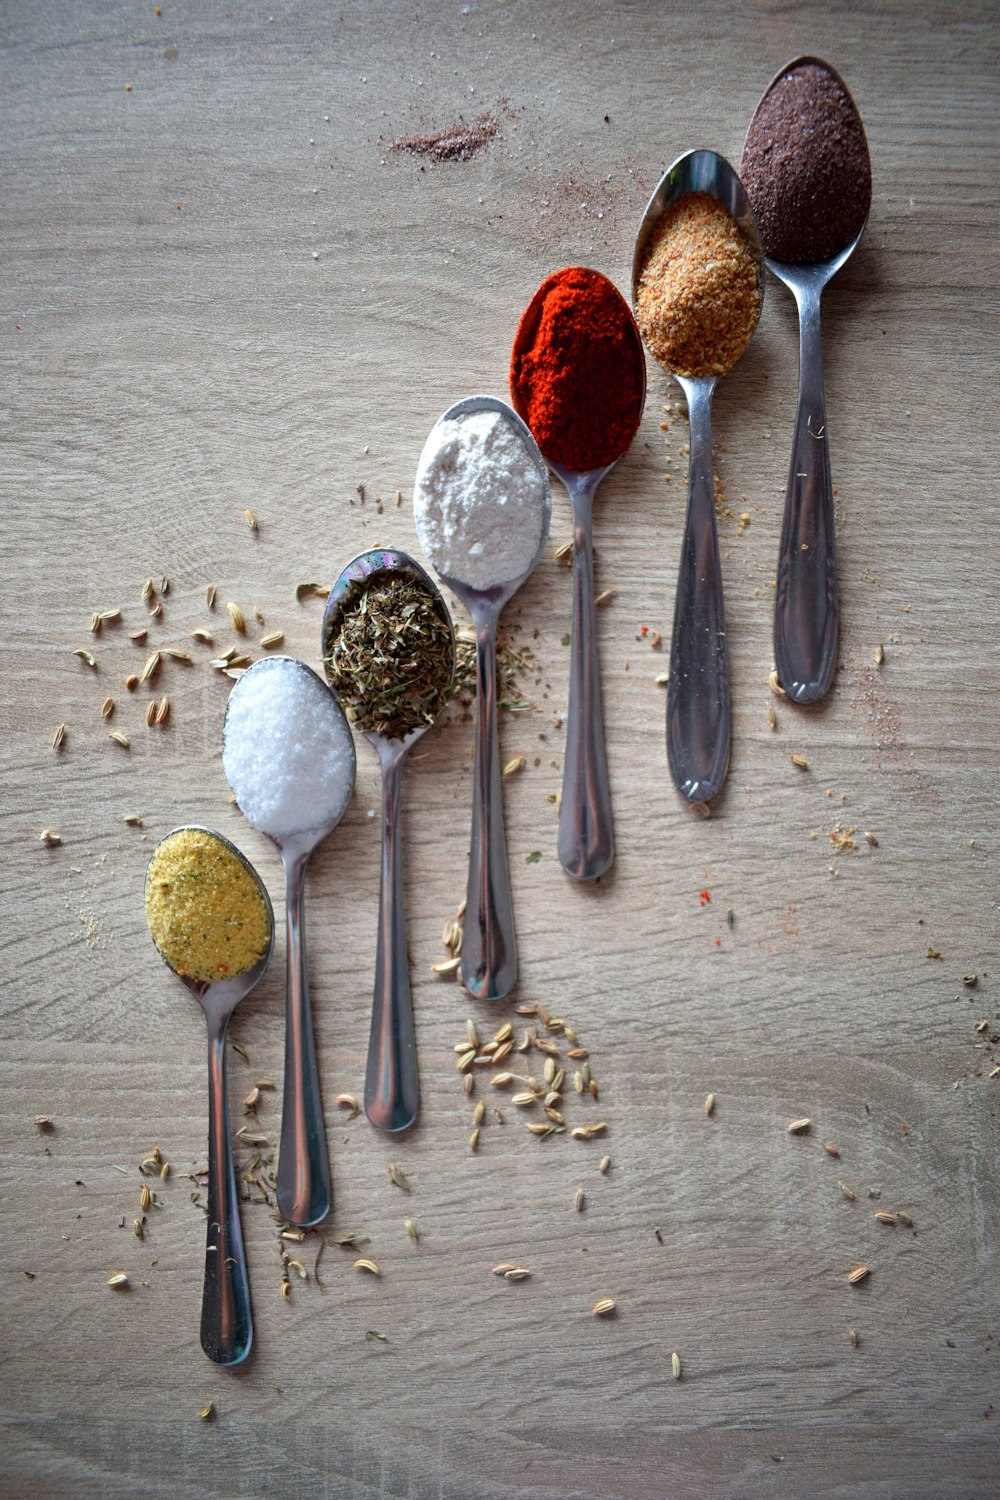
<point x="698" y="296"/>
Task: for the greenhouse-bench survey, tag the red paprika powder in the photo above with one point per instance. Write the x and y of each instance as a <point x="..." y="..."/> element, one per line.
<point x="577" y="371"/>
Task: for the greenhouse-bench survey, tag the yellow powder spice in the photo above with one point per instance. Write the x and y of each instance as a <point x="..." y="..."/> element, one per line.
<point x="698" y="299"/>
<point x="205" y="909"/>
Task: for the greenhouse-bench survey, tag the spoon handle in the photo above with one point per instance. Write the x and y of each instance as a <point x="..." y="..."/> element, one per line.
<point x="392" y="1092"/>
<point x="586" y="828"/>
<point x="806" y="612"/>
<point x="226" y="1322"/>
<point x="303" y="1189"/>
<point x="698" y="689"/>
<point x="489" y="956"/>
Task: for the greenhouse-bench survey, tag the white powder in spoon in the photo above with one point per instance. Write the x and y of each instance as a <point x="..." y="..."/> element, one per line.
<point x="480" y="500"/>
<point x="287" y="749"/>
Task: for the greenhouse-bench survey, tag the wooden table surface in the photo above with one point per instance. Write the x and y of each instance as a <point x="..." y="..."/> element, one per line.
<point x="225" y="286"/>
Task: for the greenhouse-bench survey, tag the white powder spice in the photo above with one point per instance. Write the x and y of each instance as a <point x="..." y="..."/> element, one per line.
<point x="287" y="749"/>
<point x="480" y="500"/>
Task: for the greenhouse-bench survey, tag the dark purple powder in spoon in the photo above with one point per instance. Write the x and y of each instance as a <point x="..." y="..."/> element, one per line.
<point x="806" y="166"/>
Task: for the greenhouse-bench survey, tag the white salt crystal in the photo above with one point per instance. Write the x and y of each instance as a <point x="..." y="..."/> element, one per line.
<point x="287" y="749"/>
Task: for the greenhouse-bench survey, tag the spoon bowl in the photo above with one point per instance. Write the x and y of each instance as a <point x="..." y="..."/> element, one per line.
<point x="489" y="953"/>
<point x="303" y="1190"/>
<point x="698" y="700"/>
<point x="392" y="1090"/>
<point x="586" y="826"/>
<point x="226" y="1318"/>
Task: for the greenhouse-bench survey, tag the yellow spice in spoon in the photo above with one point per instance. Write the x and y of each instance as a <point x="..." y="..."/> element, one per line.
<point x="205" y="908"/>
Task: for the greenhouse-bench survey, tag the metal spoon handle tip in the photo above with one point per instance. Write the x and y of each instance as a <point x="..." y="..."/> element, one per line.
<point x="489" y="954"/>
<point x="226" y="1322"/>
<point x="698" y="711"/>
<point x="586" y="828"/>
<point x="303" y="1184"/>
<point x="392" y="1091"/>
<point x="806" y="611"/>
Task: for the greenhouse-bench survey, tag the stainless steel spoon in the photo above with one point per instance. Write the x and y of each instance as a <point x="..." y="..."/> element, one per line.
<point x="226" y="1320"/>
<point x="392" y="1090"/>
<point x="303" y="1184"/>
<point x="489" y="952"/>
<point x="698" y="704"/>
<point x="586" y="842"/>
<point x="806" y="606"/>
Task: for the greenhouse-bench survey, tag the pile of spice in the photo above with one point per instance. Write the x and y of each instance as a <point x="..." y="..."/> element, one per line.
<point x="390" y="655"/>
<point x="698" y="297"/>
<point x="287" y="751"/>
<point x="205" y="907"/>
<point x="481" y="499"/>
<point x="806" y="166"/>
<point x="458" y="142"/>
<point x="577" y="372"/>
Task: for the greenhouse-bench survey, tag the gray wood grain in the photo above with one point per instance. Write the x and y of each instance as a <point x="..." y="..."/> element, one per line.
<point x="223" y="288"/>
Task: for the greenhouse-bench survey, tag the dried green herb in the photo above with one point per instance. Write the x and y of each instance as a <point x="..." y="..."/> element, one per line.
<point x="512" y="666"/>
<point x="391" y="659"/>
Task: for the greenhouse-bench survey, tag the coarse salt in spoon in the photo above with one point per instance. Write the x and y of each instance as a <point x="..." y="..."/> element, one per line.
<point x="288" y="755"/>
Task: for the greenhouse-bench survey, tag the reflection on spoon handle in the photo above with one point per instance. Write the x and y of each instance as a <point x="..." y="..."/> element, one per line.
<point x="226" y="1323"/>
<point x="698" y="689"/>
<point x="303" y="1189"/>
<point x="806" y="613"/>
<point x="489" y="957"/>
<point x="586" y="830"/>
<point x="391" y="1087"/>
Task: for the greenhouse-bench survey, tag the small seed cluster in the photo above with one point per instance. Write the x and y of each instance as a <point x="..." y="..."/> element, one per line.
<point x="545" y="1040"/>
<point x="231" y="662"/>
<point x="153" y="1165"/>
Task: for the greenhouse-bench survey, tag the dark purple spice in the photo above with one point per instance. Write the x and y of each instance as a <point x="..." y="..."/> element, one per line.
<point x="806" y="166"/>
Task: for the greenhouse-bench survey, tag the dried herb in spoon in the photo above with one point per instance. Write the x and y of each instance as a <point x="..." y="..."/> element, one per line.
<point x="391" y="658"/>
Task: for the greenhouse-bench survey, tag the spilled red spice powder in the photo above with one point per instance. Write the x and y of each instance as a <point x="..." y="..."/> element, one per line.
<point x="577" y="371"/>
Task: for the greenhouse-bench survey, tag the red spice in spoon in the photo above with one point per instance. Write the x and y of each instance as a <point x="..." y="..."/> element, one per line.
<point x="577" y="371"/>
